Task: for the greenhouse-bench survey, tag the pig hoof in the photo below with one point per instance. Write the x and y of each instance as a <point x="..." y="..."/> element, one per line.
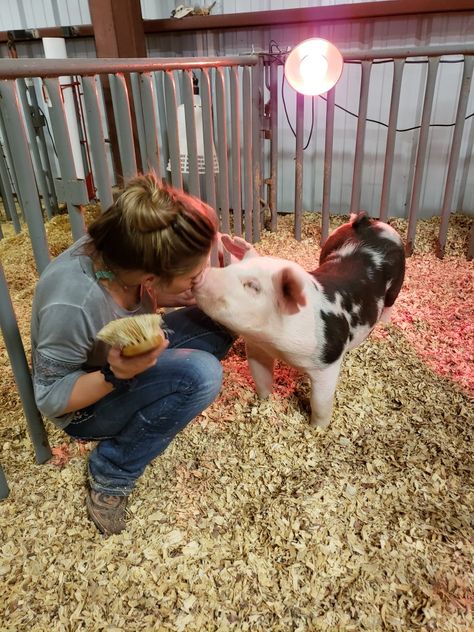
<point x="320" y="423"/>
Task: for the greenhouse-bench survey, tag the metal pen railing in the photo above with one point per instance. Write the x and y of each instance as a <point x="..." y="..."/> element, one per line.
<point x="399" y="56"/>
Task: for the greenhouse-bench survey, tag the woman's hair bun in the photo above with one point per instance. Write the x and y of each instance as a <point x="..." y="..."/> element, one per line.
<point x="146" y="205"/>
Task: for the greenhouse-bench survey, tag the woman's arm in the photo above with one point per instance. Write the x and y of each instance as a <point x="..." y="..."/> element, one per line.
<point x="87" y="390"/>
<point x="64" y="336"/>
<point x="90" y="387"/>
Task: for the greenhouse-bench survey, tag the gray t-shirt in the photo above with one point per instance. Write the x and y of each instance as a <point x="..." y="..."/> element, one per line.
<point x="69" y="308"/>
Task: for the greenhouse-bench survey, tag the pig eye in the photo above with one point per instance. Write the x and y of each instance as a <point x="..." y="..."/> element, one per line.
<point x="251" y="284"/>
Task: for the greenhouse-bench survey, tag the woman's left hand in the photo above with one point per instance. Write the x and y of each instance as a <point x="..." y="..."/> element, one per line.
<point x="127" y="367"/>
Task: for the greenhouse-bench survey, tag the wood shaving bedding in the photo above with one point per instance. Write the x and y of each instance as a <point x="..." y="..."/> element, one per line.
<point x="252" y="520"/>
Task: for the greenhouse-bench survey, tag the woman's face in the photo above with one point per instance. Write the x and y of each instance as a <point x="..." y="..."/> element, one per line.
<point x="185" y="282"/>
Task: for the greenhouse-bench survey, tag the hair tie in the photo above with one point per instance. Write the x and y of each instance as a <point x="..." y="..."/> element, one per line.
<point x="174" y="224"/>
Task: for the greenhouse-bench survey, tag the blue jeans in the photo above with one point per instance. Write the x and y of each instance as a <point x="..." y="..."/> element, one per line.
<point x="134" y="426"/>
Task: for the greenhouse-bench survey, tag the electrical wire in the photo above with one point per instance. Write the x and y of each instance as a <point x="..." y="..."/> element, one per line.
<point x="279" y="55"/>
<point x="406" y="129"/>
<point x="49" y="131"/>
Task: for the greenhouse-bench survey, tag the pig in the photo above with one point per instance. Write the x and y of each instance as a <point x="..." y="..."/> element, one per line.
<point x="309" y="320"/>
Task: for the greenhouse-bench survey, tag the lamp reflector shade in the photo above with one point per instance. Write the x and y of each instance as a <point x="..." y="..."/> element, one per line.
<point x="314" y="66"/>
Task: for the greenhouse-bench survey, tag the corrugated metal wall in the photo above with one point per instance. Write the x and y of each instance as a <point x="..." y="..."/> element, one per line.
<point x="374" y="33"/>
<point x="33" y="14"/>
<point x="22" y="14"/>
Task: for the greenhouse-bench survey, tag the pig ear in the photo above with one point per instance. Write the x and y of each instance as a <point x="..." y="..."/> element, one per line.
<point x="237" y="246"/>
<point x="289" y="289"/>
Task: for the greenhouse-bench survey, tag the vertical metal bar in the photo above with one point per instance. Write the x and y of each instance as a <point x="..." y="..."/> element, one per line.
<point x="191" y="136"/>
<point x="64" y="149"/>
<point x="9" y="161"/>
<point x="247" y="151"/>
<point x="208" y="137"/>
<point x="223" y="188"/>
<point x="398" y="66"/>
<point x="152" y="158"/>
<point x="257" y="127"/>
<point x="21" y="160"/>
<point x="21" y="371"/>
<point x="7" y="194"/>
<point x="138" y="109"/>
<point x="328" y="147"/>
<point x="360" y="136"/>
<point x="433" y="64"/>
<point x="4" y="489"/>
<point x="40" y="177"/>
<point x="273" y="192"/>
<point x="96" y="139"/>
<point x="123" y="123"/>
<point x="172" y="126"/>
<point x="299" y="165"/>
<point x="160" y="98"/>
<point x="454" y="156"/>
<point x="470" y="246"/>
<point x="43" y="148"/>
<point x="236" y="123"/>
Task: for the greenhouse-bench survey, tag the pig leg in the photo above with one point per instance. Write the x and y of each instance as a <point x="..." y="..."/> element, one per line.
<point x="386" y="314"/>
<point x="323" y="387"/>
<point x="261" y="368"/>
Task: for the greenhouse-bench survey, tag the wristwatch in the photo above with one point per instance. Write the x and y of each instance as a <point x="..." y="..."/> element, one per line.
<point x="111" y="378"/>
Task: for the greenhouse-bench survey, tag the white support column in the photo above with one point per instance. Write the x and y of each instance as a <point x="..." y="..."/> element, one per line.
<point x="55" y="48"/>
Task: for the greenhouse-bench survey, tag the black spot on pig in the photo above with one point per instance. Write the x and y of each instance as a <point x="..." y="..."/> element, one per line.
<point x="360" y="265"/>
<point x="336" y="332"/>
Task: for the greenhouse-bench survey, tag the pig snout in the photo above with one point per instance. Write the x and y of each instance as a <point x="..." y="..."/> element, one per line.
<point x="209" y="293"/>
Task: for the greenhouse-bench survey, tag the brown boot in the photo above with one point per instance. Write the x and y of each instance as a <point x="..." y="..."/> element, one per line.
<point x="107" y="512"/>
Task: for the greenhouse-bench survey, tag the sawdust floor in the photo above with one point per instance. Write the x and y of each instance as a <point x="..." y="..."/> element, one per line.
<point x="252" y="520"/>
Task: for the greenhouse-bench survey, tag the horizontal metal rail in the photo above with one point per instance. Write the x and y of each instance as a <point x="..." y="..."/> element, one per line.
<point x="14" y="69"/>
<point x="409" y="51"/>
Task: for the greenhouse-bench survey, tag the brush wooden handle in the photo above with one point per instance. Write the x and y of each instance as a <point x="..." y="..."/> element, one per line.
<point x="143" y="347"/>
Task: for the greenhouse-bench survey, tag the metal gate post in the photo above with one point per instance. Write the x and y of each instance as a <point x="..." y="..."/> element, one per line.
<point x="4" y="489"/>
<point x="7" y="194"/>
<point x="21" y="371"/>
<point x="70" y="188"/>
<point x="29" y="113"/>
<point x="21" y="160"/>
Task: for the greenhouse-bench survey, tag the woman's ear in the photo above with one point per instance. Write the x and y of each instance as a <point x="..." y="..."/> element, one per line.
<point x="149" y="280"/>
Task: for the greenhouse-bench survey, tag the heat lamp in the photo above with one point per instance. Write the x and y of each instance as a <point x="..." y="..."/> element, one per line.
<point x="313" y="66"/>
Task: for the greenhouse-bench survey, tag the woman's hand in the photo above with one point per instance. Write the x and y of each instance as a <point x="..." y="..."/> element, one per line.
<point x="127" y="367"/>
<point x="236" y="246"/>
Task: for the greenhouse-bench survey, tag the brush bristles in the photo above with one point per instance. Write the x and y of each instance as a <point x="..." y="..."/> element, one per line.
<point x="134" y="334"/>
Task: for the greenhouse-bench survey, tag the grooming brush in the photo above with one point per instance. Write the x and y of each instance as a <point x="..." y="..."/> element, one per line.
<point x="134" y="334"/>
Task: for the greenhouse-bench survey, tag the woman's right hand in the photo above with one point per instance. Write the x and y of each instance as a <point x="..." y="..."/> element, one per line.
<point x="125" y="368"/>
<point x="236" y="246"/>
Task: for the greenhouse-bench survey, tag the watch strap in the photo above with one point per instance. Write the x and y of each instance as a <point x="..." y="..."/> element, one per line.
<point x="118" y="383"/>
